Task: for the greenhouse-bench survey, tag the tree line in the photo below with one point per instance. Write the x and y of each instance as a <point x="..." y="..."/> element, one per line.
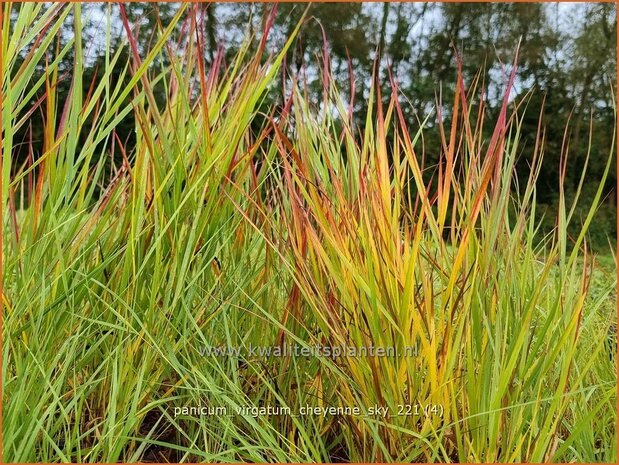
<point x="566" y="61"/>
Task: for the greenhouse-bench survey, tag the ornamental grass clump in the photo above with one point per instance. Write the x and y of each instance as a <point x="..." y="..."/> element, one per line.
<point x="384" y="254"/>
<point x="230" y="222"/>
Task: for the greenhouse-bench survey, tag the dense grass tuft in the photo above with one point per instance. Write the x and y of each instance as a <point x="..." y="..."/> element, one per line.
<point x="233" y="224"/>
